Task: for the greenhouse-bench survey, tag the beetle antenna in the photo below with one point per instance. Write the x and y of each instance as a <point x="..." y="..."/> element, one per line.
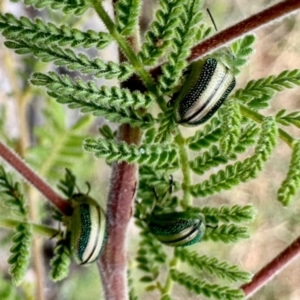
<point x="212" y="19"/>
<point x="89" y="188"/>
<point x="78" y="189"/>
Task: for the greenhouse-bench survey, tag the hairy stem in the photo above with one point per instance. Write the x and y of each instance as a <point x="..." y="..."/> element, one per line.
<point x="19" y="165"/>
<point x="113" y="262"/>
<point x="265" y="17"/>
<point x="272" y="268"/>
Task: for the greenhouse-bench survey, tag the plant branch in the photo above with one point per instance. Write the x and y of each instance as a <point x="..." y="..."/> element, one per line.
<point x="36" y="228"/>
<point x="257" y="117"/>
<point x="184" y="162"/>
<point x="272" y="268"/>
<point x="113" y="261"/>
<point x="19" y="165"/>
<point x="265" y="17"/>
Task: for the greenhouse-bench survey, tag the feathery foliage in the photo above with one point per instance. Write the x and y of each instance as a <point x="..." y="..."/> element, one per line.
<point x="211" y="265"/>
<point x="60" y="262"/>
<point x="185" y="31"/>
<point x="127" y="15"/>
<point x="241" y="50"/>
<point x="67" y="57"/>
<point x="159" y="156"/>
<point x="64" y="87"/>
<point x="231" y="127"/>
<point x="258" y="93"/>
<point x="48" y="33"/>
<point x="205" y="137"/>
<point x="204" y="288"/>
<point x="290" y="186"/>
<point x="163" y="30"/>
<point x="20" y="251"/>
<point x="241" y="171"/>
<point x="213" y="157"/>
<point x="166" y="128"/>
<point x="77" y="7"/>
<point x="288" y="119"/>
<point x="176" y="28"/>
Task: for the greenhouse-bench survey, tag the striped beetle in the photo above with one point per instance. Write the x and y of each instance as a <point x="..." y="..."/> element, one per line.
<point x="177" y="228"/>
<point x="88" y="230"/>
<point x="204" y="90"/>
<point x="174" y="228"/>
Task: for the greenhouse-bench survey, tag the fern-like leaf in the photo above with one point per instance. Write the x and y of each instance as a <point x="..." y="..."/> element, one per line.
<point x="68" y="184"/>
<point x="241" y="171"/>
<point x="155" y="155"/>
<point x="213" y="157"/>
<point x="205" y="137"/>
<point x="202" y="33"/>
<point x="288" y="119"/>
<point x="190" y="16"/>
<point x="74" y="7"/>
<point x="60" y="262"/>
<point x="211" y="265"/>
<point x="119" y="115"/>
<point x="241" y="50"/>
<point x="19" y="260"/>
<point x="291" y="184"/>
<point x="72" y="61"/>
<point x="202" y="287"/>
<point x="258" y="93"/>
<point x="87" y="91"/>
<point x="228" y="214"/>
<point x="127" y="16"/>
<point x="12" y="194"/>
<point x="227" y="233"/>
<point x="48" y="33"/>
<point x="162" y="31"/>
<point x="231" y="127"/>
<point x="166" y="127"/>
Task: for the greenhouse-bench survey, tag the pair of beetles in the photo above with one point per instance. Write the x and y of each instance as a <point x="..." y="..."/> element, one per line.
<point x="205" y="88"/>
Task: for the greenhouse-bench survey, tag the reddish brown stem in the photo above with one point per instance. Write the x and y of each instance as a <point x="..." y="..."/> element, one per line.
<point x="272" y="268"/>
<point x="113" y="262"/>
<point x="248" y="25"/>
<point x="18" y="164"/>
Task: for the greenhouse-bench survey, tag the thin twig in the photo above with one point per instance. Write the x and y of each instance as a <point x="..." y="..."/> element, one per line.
<point x="272" y="268"/>
<point x="19" y="165"/>
<point x="265" y="17"/>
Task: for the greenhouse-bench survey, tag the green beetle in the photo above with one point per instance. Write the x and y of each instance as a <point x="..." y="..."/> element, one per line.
<point x="177" y="228"/>
<point x="88" y="230"/>
<point x="174" y="228"/>
<point x="205" y="88"/>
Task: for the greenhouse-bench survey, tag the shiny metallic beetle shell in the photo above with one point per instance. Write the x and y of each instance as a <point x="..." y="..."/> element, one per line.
<point x="204" y="90"/>
<point x="88" y="229"/>
<point x="177" y="228"/>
